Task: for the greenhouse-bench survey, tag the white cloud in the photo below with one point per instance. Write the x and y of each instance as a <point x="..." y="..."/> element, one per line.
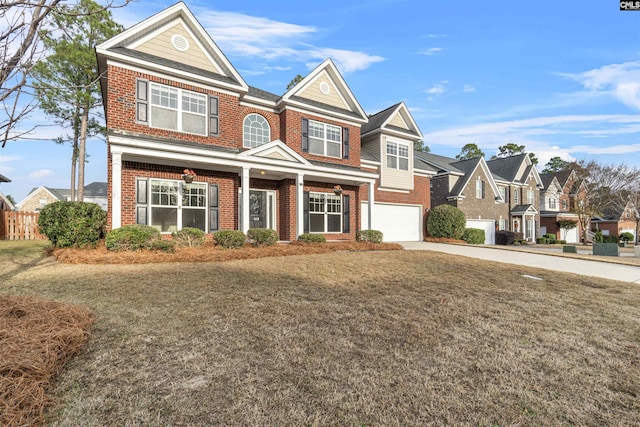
<point x="431" y="51"/>
<point x="436" y="36"/>
<point x="42" y="173"/>
<point x="437" y="89"/>
<point x="255" y="37"/>
<point x="620" y="81"/>
<point x="5" y="163"/>
<point x="468" y="88"/>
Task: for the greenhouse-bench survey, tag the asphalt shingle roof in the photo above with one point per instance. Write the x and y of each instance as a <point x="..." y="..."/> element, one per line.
<point x="506" y="167"/>
<point x="377" y="119"/>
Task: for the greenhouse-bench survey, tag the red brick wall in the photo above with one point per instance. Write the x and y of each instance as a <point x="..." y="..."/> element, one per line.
<point x="291" y="134"/>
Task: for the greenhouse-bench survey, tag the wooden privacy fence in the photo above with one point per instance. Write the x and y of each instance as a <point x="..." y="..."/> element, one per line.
<point x="19" y="225"/>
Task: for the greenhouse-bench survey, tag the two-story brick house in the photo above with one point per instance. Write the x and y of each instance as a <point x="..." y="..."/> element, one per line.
<point x="290" y="162"/>
<point x="561" y="192"/>
<point x="499" y="194"/>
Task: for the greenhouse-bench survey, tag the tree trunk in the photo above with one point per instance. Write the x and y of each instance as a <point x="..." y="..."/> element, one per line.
<point x="82" y="152"/>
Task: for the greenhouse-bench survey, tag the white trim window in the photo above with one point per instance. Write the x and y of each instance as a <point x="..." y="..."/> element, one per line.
<point x="565" y="205"/>
<point x="479" y="189"/>
<point x="553" y="203"/>
<point x="397" y="156"/>
<point x="516" y="196"/>
<point x="503" y="193"/>
<point x="325" y="213"/>
<point x="175" y="205"/>
<point x="325" y="139"/>
<point x="256" y="131"/>
<point x="530" y="197"/>
<point x="177" y="109"/>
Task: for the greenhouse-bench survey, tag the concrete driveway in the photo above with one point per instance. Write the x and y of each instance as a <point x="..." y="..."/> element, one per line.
<point x="625" y="273"/>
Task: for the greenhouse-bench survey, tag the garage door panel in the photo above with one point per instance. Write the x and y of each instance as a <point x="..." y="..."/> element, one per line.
<point x="397" y="222"/>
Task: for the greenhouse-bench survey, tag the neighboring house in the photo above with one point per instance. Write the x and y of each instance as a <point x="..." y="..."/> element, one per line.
<point x="558" y="199"/>
<point x="5" y="204"/>
<point x="38" y="198"/>
<point x="499" y="194"/>
<point x="615" y="221"/>
<point x="290" y="162"/>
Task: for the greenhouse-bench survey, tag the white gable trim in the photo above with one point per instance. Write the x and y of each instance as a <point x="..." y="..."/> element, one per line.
<point x="412" y="124"/>
<point x="275" y="146"/>
<point x="175" y="11"/>
<point x="330" y="68"/>
<point x="485" y="168"/>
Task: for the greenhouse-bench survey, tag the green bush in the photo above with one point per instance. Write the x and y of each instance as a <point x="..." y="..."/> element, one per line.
<point x="551" y="238"/>
<point x="262" y="236"/>
<point x="542" y="240"/>
<point x="168" y="246"/>
<point x="446" y="221"/>
<point x="610" y="239"/>
<point x="599" y="237"/>
<point x="230" y="239"/>
<point x="373" y="236"/>
<point x="626" y="237"/>
<point x="132" y="238"/>
<point x="312" y="238"/>
<point x="562" y="242"/>
<point x="72" y="223"/>
<point x="189" y="236"/>
<point x="473" y="236"/>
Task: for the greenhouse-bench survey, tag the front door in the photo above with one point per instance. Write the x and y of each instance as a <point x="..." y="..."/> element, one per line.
<point x="261" y="209"/>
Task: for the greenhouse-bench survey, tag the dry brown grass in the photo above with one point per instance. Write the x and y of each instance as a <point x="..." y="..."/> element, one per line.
<point x="210" y="253"/>
<point x="37" y="337"/>
<point x="345" y="338"/>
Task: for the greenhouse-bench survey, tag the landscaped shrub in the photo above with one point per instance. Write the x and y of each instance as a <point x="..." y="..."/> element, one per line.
<point x="163" y="245"/>
<point x="312" y="238"/>
<point x="610" y="239"/>
<point x="262" y="236"/>
<point x="189" y="236"/>
<point x="72" y="223"/>
<point x="132" y="238"/>
<point x="373" y="236"/>
<point x="551" y="238"/>
<point x="446" y="221"/>
<point x="230" y="239"/>
<point x="473" y="236"/>
<point x="626" y="237"/>
<point x="541" y="240"/>
<point x="598" y="237"/>
<point x="504" y="237"/>
<point x="562" y="242"/>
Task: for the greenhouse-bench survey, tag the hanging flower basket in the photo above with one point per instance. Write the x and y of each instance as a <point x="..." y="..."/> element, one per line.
<point x="188" y="175"/>
<point x="337" y="190"/>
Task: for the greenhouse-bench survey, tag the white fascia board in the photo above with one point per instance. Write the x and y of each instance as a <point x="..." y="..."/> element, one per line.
<point x="204" y="157"/>
<point x="420" y="172"/>
<point x="370" y="163"/>
<point x="119" y="59"/>
<point x="320" y="112"/>
<point x="398" y="134"/>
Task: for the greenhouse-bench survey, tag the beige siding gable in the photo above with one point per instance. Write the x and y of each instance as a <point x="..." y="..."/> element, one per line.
<point x="160" y="43"/>
<point x="398" y="121"/>
<point x="323" y="89"/>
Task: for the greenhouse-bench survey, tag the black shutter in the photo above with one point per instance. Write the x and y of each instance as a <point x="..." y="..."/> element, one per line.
<point x="142" y="101"/>
<point x="483" y="189"/>
<point x="346" y="218"/>
<point x="306" y="211"/>
<point x="345" y="143"/>
<point x="305" y="134"/>
<point x="213" y="208"/>
<point x="142" y="201"/>
<point x="214" y="116"/>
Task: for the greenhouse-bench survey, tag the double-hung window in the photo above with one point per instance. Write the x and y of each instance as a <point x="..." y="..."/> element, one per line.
<point x="516" y="196"/>
<point x="325" y="213"/>
<point x="172" y="205"/>
<point x="503" y="193"/>
<point x="530" y="197"/>
<point x="552" y="203"/>
<point x="178" y="109"/>
<point x="479" y="189"/>
<point x="397" y="156"/>
<point x="325" y="139"/>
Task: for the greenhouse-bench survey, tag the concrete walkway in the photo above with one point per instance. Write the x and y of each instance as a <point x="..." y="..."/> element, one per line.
<point x="625" y="273"/>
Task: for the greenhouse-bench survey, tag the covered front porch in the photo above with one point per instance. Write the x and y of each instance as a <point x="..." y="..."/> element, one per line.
<point x="523" y="220"/>
<point x="270" y="186"/>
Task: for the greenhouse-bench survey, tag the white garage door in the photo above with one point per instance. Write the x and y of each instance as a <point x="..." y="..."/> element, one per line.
<point x="571" y="235"/>
<point x="398" y="223"/>
<point x="489" y="227"/>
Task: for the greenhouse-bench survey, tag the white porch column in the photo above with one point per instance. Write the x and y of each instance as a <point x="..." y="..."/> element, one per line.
<point x="372" y="187"/>
<point x="299" y="204"/>
<point x="245" y="200"/>
<point x="116" y="189"/>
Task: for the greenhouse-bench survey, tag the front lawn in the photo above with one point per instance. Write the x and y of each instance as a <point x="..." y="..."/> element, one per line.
<point x="344" y="338"/>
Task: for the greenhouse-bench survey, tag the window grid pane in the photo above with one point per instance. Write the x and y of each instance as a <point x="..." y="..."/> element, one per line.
<point x="325" y="139"/>
<point x="256" y="131"/>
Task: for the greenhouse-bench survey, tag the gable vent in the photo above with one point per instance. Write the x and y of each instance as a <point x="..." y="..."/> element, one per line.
<point x="324" y="88"/>
<point x="180" y="42"/>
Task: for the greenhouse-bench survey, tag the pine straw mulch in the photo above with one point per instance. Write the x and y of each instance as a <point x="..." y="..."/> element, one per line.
<point x="209" y="253"/>
<point x="37" y="337"/>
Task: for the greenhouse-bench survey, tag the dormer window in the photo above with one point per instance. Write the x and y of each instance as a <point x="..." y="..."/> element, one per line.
<point x="397" y="156"/>
<point x="553" y="203"/>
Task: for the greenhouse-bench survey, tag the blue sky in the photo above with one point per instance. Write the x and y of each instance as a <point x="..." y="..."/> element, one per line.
<point x="561" y="78"/>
